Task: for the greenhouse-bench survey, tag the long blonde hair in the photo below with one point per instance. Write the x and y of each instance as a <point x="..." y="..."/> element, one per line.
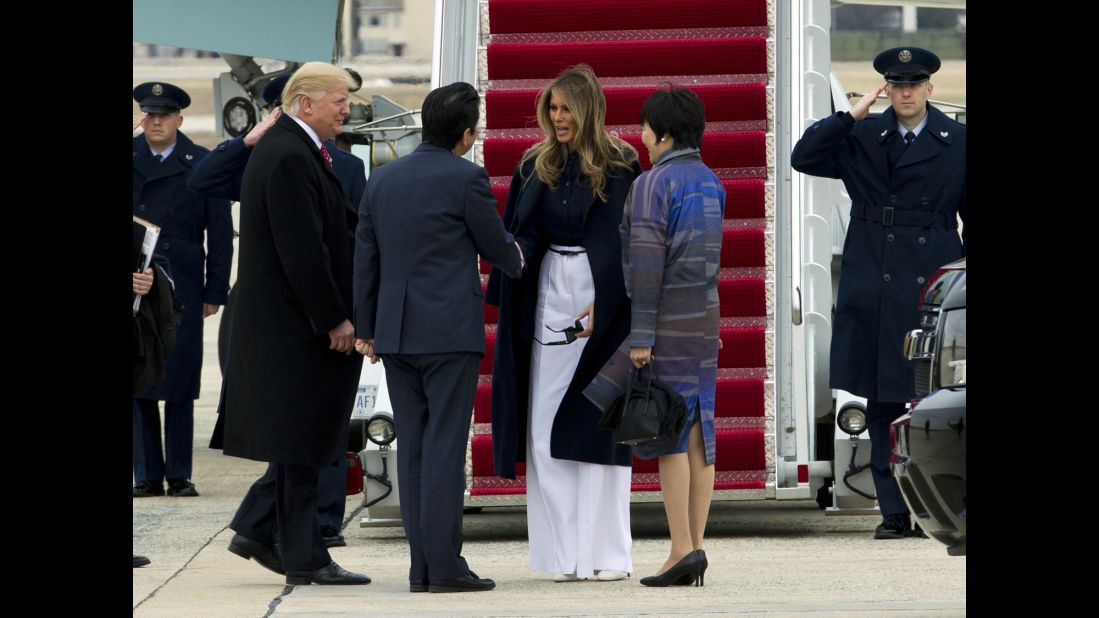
<point x="599" y="151"/>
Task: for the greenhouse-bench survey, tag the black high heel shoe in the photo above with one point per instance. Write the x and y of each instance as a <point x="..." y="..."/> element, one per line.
<point x="683" y="573"/>
<point x="705" y="565"/>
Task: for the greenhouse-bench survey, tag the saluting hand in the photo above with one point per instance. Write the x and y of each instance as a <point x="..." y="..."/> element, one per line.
<point x="138" y="119"/>
<point x="862" y="108"/>
<point x="261" y="128"/>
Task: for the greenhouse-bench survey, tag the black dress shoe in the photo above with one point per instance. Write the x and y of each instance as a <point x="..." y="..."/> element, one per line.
<point x="466" y="583"/>
<point x="683" y="573"/>
<point x="266" y="555"/>
<point x="182" y="488"/>
<point x="420" y="586"/>
<point x="892" y="527"/>
<point x="140" y="561"/>
<point x="332" y="537"/>
<point x="148" y="489"/>
<point x="916" y="532"/>
<point x="330" y="575"/>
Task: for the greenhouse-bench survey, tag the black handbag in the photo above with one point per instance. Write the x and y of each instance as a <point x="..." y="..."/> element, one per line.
<point x="649" y="410"/>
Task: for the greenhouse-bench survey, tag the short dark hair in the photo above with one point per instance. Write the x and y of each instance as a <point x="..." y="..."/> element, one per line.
<point x="448" y="111"/>
<point x="677" y="112"/>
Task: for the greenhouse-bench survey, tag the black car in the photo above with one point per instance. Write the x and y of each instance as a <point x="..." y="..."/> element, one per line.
<point x="929" y="442"/>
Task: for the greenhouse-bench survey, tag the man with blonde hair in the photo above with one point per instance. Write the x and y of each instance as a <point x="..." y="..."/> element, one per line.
<point x="291" y="378"/>
<point x="219" y="175"/>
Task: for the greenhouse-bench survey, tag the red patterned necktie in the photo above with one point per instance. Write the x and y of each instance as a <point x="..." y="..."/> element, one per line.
<point x="327" y="157"/>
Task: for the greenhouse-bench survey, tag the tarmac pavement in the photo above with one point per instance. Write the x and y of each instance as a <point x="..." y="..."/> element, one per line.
<point x="766" y="558"/>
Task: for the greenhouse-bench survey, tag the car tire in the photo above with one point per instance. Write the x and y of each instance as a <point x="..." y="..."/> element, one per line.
<point x="824" y="494"/>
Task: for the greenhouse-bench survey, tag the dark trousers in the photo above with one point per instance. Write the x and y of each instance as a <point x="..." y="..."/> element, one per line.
<point x="332" y="494"/>
<point x="432" y="397"/>
<point x="151" y="463"/>
<point x="879" y="414"/>
<point x="281" y="506"/>
<point x="331" y="480"/>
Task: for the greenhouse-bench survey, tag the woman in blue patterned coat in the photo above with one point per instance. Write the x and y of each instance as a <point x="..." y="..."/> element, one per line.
<point x="671" y="251"/>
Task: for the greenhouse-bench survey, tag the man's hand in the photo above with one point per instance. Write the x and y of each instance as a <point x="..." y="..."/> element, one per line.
<point x="862" y="108"/>
<point x="261" y="128"/>
<point x="209" y="310"/>
<point x="143" y="282"/>
<point x="366" y="348"/>
<point x="138" y="119"/>
<point x="588" y="312"/>
<point x="342" y="338"/>
<point x="641" y="356"/>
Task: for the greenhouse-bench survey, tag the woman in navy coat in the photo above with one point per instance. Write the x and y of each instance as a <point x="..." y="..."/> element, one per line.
<point x="564" y="207"/>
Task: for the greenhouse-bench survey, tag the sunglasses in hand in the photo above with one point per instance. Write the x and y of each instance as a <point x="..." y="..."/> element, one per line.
<point x="569" y="332"/>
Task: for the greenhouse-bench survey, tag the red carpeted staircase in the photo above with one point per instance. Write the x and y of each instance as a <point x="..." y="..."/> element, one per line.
<point x="718" y="48"/>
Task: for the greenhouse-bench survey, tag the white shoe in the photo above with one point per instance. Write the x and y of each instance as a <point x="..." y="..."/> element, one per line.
<point x="611" y="576"/>
<point x="565" y="577"/>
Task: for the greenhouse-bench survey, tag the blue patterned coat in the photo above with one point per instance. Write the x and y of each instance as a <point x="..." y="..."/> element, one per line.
<point x="671" y="255"/>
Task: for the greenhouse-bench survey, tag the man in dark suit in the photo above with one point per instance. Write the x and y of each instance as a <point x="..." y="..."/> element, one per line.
<point x="219" y="174"/>
<point x="163" y="157"/>
<point x="905" y="173"/>
<point x="423" y="220"/>
<point x="292" y="375"/>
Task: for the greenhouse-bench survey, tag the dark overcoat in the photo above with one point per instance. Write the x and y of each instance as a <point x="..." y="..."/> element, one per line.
<point x="201" y="274"/>
<point x="288" y="397"/>
<point x="574" y="435"/>
<point x="903" y="227"/>
<point x="220" y="174"/>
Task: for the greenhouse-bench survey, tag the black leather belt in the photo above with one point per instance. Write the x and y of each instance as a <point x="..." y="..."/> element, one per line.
<point x="558" y="252"/>
<point x="889" y="216"/>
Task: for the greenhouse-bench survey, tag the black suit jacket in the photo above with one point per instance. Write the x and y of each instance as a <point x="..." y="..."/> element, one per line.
<point x="422" y="221"/>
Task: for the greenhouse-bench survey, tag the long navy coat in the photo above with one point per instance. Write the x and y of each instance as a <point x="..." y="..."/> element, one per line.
<point x="885" y="266"/>
<point x="287" y="396"/>
<point x="161" y="196"/>
<point x="574" y="435"/>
